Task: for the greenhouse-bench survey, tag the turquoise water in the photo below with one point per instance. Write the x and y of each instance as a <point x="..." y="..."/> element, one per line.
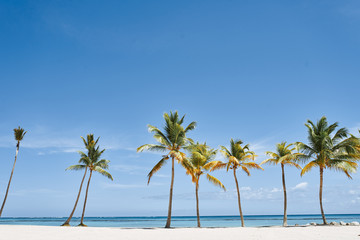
<point x="206" y="221"/>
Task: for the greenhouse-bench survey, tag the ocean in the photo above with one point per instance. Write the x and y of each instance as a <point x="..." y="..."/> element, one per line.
<point x="182" y="221"/>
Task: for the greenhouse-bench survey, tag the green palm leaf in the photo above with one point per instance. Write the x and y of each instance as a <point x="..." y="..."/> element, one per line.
<point x="157" y="167"/>
<point x="103" y="172"/>
<point x="76" y="167"/>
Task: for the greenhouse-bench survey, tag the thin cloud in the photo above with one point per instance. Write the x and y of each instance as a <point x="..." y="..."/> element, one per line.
<point x="128" y="186"/>
<point x="130" y="169"/>
<point x="161" y="176"/>
<point x="52" y="142"/>
<point x="355" y="130"/>
<point x="35" y="191"/>
<point x="352" y="192"/>
<point x="122" y="186"/>
<point x="247" y="193"/>
<point x="300" y="186"/>
<point x="274" y="190"/>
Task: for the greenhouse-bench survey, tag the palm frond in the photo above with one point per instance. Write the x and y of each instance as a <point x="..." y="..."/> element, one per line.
<point x="215" y="181"/>
<point x="218" y="165"/>
<point x="294" y="164"/>
<point x="76" y="167"/>
<point x="308" y="167"/>
<point x="188" y="166"/>
<point x="19" y="134"/>
<point x="271" y="161"/>
<point x="103" y="163"/>
<point x="157" y="167"/>
<point x="151" y="147"/>
<point x="245" y="170"/>
<point x="103" y="172"/>
<point x="213" y="165"/>
<point x="159" y="136"/>
<point x="190" y="127"/>
<point x="252" y="165"/>
<point x="344" y="166"/>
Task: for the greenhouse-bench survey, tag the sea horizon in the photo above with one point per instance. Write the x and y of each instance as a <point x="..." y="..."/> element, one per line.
<point x="182" y="221"/>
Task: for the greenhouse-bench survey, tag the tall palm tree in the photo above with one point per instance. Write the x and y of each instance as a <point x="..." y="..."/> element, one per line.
<point x="94" y="164"/>
<point x="238" y="157"/>
<point x="88" y="142"/>
<point x="19" y="134"/>
<point x="199" y="162"/>
<point x="172" y="140"/>
<point x="329" y="149"/>
<point x="284" y="156"/>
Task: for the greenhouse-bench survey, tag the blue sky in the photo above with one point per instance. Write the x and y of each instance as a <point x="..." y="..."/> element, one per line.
<point x="253" y="70"/>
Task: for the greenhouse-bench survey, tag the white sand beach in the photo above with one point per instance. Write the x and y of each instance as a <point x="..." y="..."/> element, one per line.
<point x="12" y="232"/>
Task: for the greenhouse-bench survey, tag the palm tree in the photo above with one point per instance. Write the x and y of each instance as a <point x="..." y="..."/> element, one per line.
<point x="19" y="134"/>
<point x="172" y="140"/>
<point x="285" y="156"/>
<point x="199" y="162"/>
<point x="238" y="157"/>
<point x="94" y="163"/>
<point x="327" y="150"/>
<point x="89" y="142"/>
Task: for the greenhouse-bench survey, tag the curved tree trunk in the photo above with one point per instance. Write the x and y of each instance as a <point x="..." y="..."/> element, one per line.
<point x="12" y="172"/>
<point x="238" y="193"/>
<point x="285" y="198"/>
<point x="320" y="195"/>
<point x="67" y="222"/>
<point x="197" y="204"/>
<point x="168" y="221"/>
<point x="86" y="194"/>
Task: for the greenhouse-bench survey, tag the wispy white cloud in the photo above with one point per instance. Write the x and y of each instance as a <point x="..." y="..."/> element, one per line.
<point x="352" y="192"/>
<point x="129" y="186"/>
<point x="247" y="193"/>
<point x="35" y="191"/>
<point x="122" y="186"/>
<point x="52" y="142"/>
<point x="274" y="190"/>
<point x="245" y="188"/>
<point x="356" y="200"/>
<point x="355" y="129"/>
<point x="129" y="169"/>
<point x="300" y="186"/>
<point x="161" y="176"/>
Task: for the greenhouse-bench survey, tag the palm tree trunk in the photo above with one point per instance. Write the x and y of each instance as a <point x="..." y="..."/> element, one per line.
<point x="168" y="221"/>
<point x="320" y="195"/>
<point x="285" y="198"/>
<point x="197" y="204"/>
<point x="238" y="193"/>
<point x="86" y="194"/>
<point x="67" y="222"/>
<point x="12" y="172"/>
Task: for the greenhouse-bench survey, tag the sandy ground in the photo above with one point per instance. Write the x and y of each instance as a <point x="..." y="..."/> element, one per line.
<point x="12" y="232"/>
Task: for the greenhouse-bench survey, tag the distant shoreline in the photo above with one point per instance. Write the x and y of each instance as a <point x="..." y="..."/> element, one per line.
<point x="182" y="221"/>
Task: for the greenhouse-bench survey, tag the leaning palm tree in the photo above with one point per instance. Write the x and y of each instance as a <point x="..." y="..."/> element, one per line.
<point x="330" y="150"/>
<point x="94" y="164"/>
<point x="285" y="156"/>
<point x="19" y="134"/>
<point x="200" y="161"/>
<point x="172" y="140"/>
<point x="238" y="157"/>
<point x="88" y="142"/>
